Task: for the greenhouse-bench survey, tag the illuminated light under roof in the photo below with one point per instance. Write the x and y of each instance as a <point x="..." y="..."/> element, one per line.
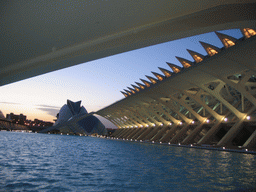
<point x="128" y="92"/>
<point x="145" y="82"/>
<point x="154" y="81"/>
<point x="248" y="32"/>
<point x="165" y="72"/>
<point x="131" y="90"/>
<point x="158" y="76"/>
<point x="175" y="68"/>
<point x="140" y="85"/>
<point x="227" y="40"/>
<point x="136" y="88"/>
<point x="124" y="94"/>
<point x="210" y="49"/>
<point x="196" y="56"/>
<point x="186" y="63"/>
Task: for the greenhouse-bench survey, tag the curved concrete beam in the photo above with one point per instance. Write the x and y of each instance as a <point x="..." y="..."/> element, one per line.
<point x="37" y="38"/>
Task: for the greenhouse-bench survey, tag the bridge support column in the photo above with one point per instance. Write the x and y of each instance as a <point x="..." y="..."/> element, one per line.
<point x="232" y="133"/>
<point x="152" y="133"/>
<point x="142" y="136"/>
<point x="132" y="133"/>
<point x="176" y="138"/>
<point x="251" y="141"/>
<point x="129" y="131"/>
<point x="123" y="132"/>
<point x="191" y="136"/>
<point x="205" y="139"/>
<point x="159" y="134"/>
<point x="116" y="132"/>
<point x="167" y="136"/>
<point x="136" y="136"/>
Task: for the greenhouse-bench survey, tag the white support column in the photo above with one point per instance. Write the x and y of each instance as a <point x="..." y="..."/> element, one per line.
<point x="181" y="101"/>
<point x="149" y="116"/>
<point x="130" y="113"/>
<point x="167" y="136"/>
<point x="179" y="134"/>
<point x="199" y="101"/>
<point x="119" y="114"/>
<point x="192" y="135"/>
<point x="234" y="130"/>
<point x="157" y="115"/>
<point x="216" y="93"/>
<point x="210" y="133"/>
<point x="142" y="115"/>
<point x="240" y="86"/>
<point x="173" y="108"/>
<point x="138" y="133"/>
<point x="160" y="134"/>
<point x="175" y="121"/>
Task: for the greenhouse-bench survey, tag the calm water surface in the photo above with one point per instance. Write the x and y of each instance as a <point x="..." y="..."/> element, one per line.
<point x="42" y="162"/>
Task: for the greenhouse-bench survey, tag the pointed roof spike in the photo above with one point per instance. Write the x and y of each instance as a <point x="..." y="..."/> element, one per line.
<point x="227" y="40"/>
<point x="247" y="32"/>
<point x="166" y="72"/>
<point x="175" y="68"/>
<point x="153" y="80"/>
<point x="158" y="76"/>
<point x="146" y="82"/>
<point x="210" y="49"/>
<point x="124" y="94"/>
<point x="74" y="106"/>
<point x="196" y="56"/>
<point x="136" y="88"/>
<point x="132" y="90"/>
<point x="140" y="85"/>
<point x="186" y="63"/>
<point x="128" y="92"/>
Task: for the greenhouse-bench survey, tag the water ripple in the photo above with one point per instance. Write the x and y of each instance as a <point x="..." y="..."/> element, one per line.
<point x="37" y="162"/>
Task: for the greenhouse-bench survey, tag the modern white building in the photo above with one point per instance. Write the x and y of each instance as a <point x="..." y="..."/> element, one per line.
<point x="208" y="101"/>
<point x="74" y="119"/>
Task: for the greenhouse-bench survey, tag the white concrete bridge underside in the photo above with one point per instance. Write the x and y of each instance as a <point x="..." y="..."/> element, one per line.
<point x="209" y="101"/>
<point x="37" y="37"/>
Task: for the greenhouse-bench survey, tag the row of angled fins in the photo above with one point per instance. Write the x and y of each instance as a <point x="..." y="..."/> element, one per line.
<point x="227" y="41"/>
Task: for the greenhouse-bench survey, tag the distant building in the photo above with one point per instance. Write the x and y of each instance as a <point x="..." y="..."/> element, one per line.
<point x="17" y="118"/>
<point x="74" y="119"/>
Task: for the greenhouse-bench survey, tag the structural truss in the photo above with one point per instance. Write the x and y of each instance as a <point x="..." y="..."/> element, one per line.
<point x="208" y="101"/>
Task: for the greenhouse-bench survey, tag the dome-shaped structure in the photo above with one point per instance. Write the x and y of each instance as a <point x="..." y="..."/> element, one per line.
<point x="69" y="110"/>
<point x="87" y="125"/>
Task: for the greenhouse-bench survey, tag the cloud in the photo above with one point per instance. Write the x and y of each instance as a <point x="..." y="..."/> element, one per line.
<point x="11" y="103"/>
<point x="49" y="106"/>
<point x="50" y="111"/>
